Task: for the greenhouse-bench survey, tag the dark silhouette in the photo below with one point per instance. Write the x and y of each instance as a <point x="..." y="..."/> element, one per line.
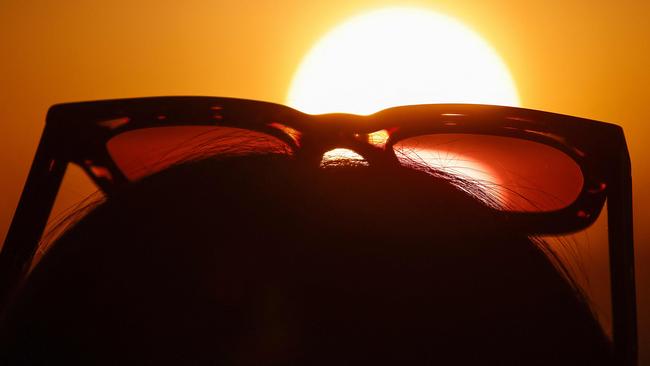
<point x="120" y="141"/>
<point x="260" y="261"/>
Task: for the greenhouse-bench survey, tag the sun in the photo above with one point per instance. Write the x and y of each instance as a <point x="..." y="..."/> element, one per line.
<point x="399" y="56"/>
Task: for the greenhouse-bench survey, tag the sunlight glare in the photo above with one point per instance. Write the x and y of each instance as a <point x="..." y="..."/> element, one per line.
<point x="399" y="56"/>
<point x="486" y="183"/>
<point x="342" y="157"/>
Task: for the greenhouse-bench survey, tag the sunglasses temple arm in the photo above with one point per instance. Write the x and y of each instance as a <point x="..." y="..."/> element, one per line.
<point x="30" y="218"/>
<point x="621" y="256"/>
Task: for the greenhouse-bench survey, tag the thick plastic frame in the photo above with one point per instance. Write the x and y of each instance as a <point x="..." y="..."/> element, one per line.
<point x="78" y="133"/>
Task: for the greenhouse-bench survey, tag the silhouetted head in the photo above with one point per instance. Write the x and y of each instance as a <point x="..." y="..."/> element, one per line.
<point x="258" y="261"/>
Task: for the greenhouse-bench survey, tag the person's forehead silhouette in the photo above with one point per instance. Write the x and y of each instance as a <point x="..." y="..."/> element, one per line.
<point x="259" y="260"/>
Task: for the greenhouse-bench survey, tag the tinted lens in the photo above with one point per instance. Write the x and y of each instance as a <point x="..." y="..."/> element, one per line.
<point x="508" y="173"/>
<point x="142" y="152"/>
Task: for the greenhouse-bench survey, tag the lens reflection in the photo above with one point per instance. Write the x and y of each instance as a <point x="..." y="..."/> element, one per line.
<point x="508" y="173"/>
<point x="142" y="152"/>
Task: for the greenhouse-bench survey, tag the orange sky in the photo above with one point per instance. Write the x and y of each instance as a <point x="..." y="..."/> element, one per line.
<point x="582" y="58"/>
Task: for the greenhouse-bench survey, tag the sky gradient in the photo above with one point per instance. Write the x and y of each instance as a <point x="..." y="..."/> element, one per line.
<point x="582" y="58"/>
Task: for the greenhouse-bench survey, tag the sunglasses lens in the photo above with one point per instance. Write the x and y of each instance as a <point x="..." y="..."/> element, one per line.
<point x="142" y="152"/>
<point x="508" y="173"/>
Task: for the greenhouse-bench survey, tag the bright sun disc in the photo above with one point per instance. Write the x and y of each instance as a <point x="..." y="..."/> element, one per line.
<point x="400" y="56"/>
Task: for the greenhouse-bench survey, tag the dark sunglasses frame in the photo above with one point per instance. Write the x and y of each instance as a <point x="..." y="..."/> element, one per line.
<point x="78" y="133"/>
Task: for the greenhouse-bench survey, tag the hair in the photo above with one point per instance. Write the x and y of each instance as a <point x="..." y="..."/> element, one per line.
<point x="257" y="260"/>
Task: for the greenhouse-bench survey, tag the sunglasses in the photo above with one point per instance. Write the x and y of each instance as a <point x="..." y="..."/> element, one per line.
<point x="545" y="173"/>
